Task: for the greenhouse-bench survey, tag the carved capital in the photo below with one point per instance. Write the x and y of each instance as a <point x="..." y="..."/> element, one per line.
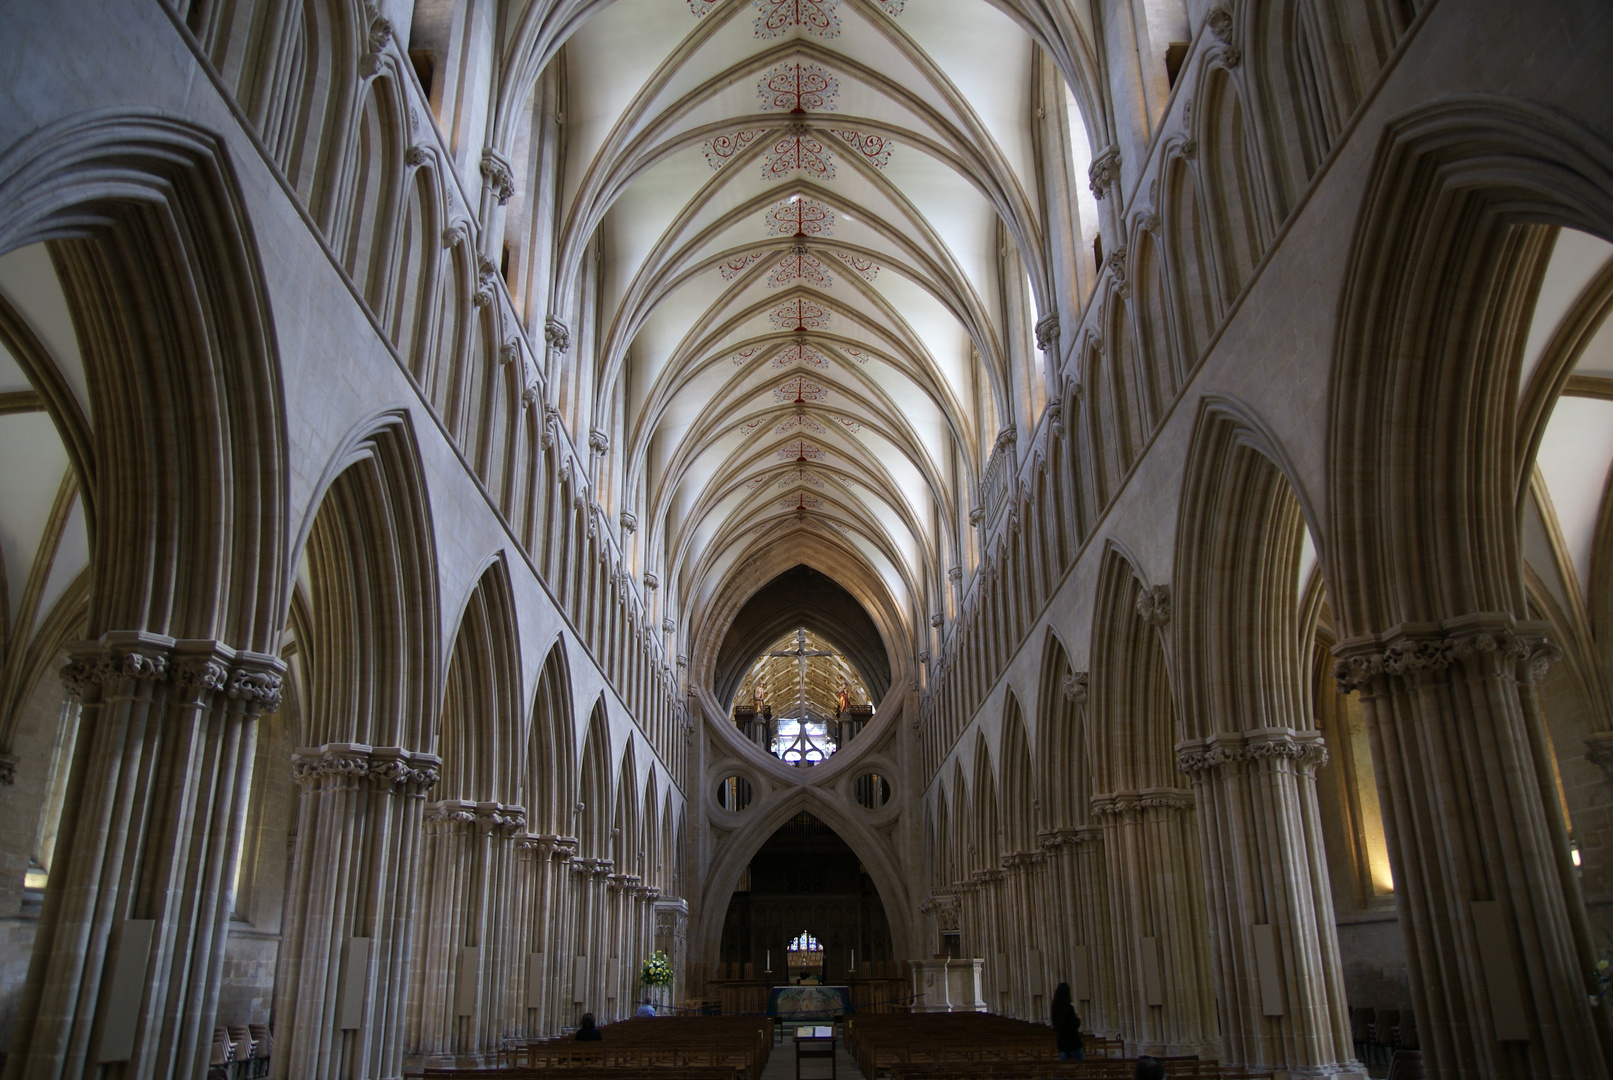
<point x="668" y="626"/>
<point x="496" y="171"/>
<point x="449" y="814"/>
<point x="1104" y="171"/>
<point x="937" y="619"/>
<point x="977" y="514"/>
<point x="455" y="235"/>
<point x="598" y="441"/>
<point x="1154" y="605"/>
<point x="258" y="680"/>
<point x="1047" y="333"/>
<point x="629" y="521"/>
<point x="1306" y="750"/>
<point x="651" y="581"/>
<point x="556" y="335"/>
<point x="1121" y="803"/>
<point x="1483" y="643"/>
<point x="1075" y="687"/>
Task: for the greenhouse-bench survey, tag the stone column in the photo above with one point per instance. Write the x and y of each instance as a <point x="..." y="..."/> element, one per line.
<point x="1165" y="997"/>
<point x="130" y="944"/>
<point x="1497" y="946"/>
<point x="559" y="937"/>
<point x="1279" y="981"/>
<point x="345" y="954"/>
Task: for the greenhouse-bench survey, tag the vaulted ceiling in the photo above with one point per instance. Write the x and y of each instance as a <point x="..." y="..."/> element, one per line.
<point x="809" y="235"/>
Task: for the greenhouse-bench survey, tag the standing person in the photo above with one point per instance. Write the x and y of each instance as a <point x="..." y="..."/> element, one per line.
<point x="588" y="1032"/>
<point x="1067" y="1025"/>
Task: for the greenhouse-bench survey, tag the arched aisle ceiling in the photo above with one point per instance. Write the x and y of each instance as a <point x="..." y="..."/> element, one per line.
<point x="802" y="212"/>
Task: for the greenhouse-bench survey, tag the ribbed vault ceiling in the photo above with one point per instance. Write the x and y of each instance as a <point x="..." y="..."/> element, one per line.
<point x="809" y="218"/>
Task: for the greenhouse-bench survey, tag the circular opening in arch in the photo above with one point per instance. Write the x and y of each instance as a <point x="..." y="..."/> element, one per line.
<point x="872" y="790"/>
<point x="734" y="793"/>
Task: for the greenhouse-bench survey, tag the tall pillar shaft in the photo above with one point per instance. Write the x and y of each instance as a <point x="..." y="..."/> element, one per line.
<point x="345" y="954"/>
<point x="131" y="939"/>
<point x="1162" y="969"/>
<point x="1497" y="947"/>
<point x="1279" y="979"/>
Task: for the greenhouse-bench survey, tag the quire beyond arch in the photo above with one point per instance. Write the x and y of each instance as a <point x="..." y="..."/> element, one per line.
<point x="1183" y="427"/>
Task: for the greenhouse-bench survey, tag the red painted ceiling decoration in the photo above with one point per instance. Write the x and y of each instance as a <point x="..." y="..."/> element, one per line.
<point x="849" y="481"/>
<point x="745" y="354"/>
<point x="799" y="476"/>
<point x="721" y="149"/>
<point x="749" y="427"/>
<point x="800" y="354"/>
<point x="798" y="152"/>
<point x="802" y="501"/>
<point x="866" y="267"/>
<point x="799" y="390"/>
<point x="892" y="8"/>
<point x="800" y="315"/>
<point x="797" y="86"/>
<point x="800" y="450"/>
<point x="779" y="17"/>
<point x="800" y="216"/>
<point x="739" y="264"/>
<point x="875" y="149"/>
<point x="849" y="424"/>
<point x="800" y="420"/>
<point x="856" y="354"/>
<point x="799" y="265"/>
<point x="698" y="8"/>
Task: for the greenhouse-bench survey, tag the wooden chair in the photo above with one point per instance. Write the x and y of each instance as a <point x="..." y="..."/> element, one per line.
<point x="1406" y="1065"/>
<point x="1385" y="1031"/>
<point x="1361" y="1021"/>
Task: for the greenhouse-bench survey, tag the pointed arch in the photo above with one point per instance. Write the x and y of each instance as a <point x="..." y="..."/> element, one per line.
<point x="371" y="554"/>
<point x="481" y="691"/>
<point x="551" y="788"/>
<point x="1133" y="707"/>
<point x="1019" y="790"/>
<point x="1061" y="739"/>
<point x="155" y="251"/>
<point x="594" y="819"/>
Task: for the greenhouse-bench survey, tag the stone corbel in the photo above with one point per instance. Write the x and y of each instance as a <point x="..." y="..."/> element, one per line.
<point x="1599" y="751"/>
<point x="651" y="581"/>
<point x="556" y="335"/>
<point x="1104" y="172"/>
<point x="598" y="441"/>
<point x="1222" y="26"/>
<point x="496" y="171"/>
<point x="1154" y="605"/>
<point x="629" y="521"/>
<point x="1075" y="688"/>
<point x="1047" y="333"/>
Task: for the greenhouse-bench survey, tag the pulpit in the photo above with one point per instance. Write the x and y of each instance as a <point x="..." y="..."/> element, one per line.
<point x="948" y="985"/>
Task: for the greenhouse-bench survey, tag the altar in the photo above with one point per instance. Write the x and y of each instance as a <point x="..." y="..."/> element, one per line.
<point x="809" y="1004"/>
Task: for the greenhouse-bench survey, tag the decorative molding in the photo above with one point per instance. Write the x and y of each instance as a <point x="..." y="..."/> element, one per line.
<point x="1305" y="749"/>
<point x="1154" y="605"/>
<point x="1104" y="171"/>
<point x="1047" y="333"/>
<point x="1222" y="26"/>
<point x="1075" y="687"/>
<point x="1413" y="649"/>
<point x="556" y="335"/>
<point x="392" y="765"/>
<point x="1121" y="803"/>
<point x="496" y="170"/>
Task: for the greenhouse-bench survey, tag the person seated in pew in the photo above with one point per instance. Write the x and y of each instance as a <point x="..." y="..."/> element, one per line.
<point x="645" y="1008"/>
<point x="1149" y="1068"/>
<point x="588" y="1032"/>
